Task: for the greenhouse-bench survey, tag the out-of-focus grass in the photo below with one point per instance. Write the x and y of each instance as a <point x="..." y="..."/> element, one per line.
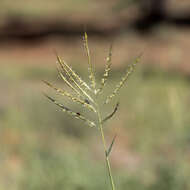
<point x="42" y="148"/>
<point x="45" y="9"/>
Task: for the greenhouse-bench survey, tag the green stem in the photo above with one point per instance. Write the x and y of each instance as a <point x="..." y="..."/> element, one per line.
<point x="105" y="150"/>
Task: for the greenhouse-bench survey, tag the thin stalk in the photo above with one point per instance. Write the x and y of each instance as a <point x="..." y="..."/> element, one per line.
<point x="105" y="149"/>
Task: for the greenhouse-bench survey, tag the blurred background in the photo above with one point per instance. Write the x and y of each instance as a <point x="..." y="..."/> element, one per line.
<point x="43" y="148"/>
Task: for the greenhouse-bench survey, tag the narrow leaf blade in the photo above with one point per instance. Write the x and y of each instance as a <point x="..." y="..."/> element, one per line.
<point x="112" y="114"/>
<point x="110" y="147"/>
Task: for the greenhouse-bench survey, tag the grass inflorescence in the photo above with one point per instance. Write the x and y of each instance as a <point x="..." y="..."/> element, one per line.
<point x="87" y="95"/>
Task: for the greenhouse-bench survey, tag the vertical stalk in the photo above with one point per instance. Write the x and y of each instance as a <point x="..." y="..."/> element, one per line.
<point x="105" y="149"/>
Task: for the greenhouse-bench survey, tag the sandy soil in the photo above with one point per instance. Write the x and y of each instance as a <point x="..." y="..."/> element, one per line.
<point x="167" y="47"/>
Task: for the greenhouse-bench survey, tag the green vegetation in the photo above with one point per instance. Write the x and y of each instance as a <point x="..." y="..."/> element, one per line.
<point x="41" y="148"/>
<point x="44" y="9"/>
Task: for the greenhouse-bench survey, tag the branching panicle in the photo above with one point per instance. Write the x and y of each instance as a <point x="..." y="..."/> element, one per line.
<point x="87" y="97"/>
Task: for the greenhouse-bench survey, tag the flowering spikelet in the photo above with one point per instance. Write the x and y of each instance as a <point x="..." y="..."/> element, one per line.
<point x="74" y="99"/>
<point x="128" y="72"/>
<point x="72" y="73"/>
<point x="106" y="71"/>
<point x="72" y="113"/>
<point x="68" y="83"/>
<point x="91" y="69"/>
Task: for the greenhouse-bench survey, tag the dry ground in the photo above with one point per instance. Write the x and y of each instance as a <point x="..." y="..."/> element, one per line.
<point x="167" y="47"/>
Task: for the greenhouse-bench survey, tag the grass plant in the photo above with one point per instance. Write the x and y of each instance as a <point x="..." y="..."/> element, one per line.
<point x="88" y="95"/>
